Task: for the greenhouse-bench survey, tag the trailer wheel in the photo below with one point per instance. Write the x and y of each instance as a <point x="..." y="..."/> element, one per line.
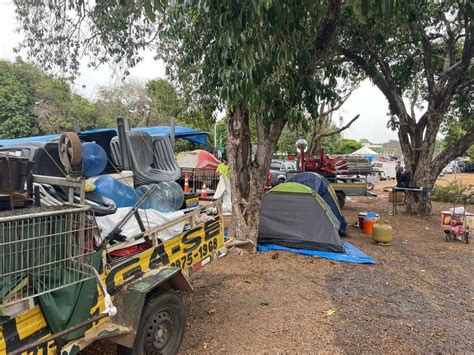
<point x="341" y="198"/>
<point x="161" y="327"/>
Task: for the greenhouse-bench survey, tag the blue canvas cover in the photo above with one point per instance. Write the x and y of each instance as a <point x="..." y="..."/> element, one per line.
<point x="320" y="185"/>
<point x="193" y="135"/>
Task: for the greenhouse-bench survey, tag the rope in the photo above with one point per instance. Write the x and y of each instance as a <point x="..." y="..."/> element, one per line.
<point x="52" y="159"/>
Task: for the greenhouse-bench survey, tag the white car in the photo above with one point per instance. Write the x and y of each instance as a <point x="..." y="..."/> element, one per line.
<point x="451" y="168"/>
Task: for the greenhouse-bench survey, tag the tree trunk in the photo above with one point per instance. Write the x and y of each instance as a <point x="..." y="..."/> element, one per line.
<point x="248" y="171"/>
<point x="314" y="146"/>
<point x="419" y="161"/>
<point x="415" y="203"/>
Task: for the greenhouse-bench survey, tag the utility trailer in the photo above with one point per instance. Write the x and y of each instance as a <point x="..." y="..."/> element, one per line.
<point x="348" y="175"/>
<point x="60" y="292"/>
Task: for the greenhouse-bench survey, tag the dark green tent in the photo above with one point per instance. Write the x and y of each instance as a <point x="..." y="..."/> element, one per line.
<point x="294" y="216"/>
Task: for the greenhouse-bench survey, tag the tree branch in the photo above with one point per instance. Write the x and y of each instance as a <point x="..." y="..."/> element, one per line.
<point x="427" y="58"/>
<point x="384" y="81"/>
<point x="328" y="26"/>
<point x="459" y="70"/>
<point x="466" y="85"/>
<point x="453" y="151"/>
<point x="340" y="129"/>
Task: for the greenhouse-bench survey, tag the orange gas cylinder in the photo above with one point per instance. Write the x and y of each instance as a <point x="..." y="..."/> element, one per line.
<point x="368" y="224"/>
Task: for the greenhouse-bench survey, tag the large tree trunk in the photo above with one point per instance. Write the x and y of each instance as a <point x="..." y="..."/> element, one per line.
<point x="419" y="158"/>
<point x="248" y="171"/>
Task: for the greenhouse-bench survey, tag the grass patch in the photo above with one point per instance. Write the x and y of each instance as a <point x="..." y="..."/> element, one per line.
<point x="454" y="192"/>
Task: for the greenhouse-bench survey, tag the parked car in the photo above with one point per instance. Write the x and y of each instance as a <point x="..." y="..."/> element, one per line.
<point x="451" y="168"/>
<point x="279" y="170"/>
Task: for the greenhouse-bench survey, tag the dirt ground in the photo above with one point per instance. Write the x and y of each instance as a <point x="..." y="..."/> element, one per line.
<point x="417" y="297"/>
<point x="465" y="179"/>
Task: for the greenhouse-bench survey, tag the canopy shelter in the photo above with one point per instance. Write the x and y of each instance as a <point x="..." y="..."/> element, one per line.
<point x="365" y="151"/>
<point x="321" y="186"/>
<point x="294" y="216"/>
<point x="190" y="134"/>
<point x="197" y="159"/>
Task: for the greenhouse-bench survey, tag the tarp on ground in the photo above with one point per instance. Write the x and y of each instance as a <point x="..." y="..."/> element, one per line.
<point x="193" y="135"/>
<point x="351" y="253"/>
<point x="294" y="216"/>
<point x="198" y="159"/>
<point x="321" y="186"/>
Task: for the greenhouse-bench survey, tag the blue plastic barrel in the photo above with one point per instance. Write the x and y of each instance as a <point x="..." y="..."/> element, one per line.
<point x="94" y="159"/>
<point x="123" y="195"/>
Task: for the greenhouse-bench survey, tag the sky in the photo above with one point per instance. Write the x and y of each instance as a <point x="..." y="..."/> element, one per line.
<point x="367" y="101"/>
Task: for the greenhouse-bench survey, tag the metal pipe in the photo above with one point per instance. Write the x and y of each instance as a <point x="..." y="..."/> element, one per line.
<point x="302" y="158"/>
<point x="43" y="214"/>
<point x="173" y="130"/>
<point x="124" y="220"/>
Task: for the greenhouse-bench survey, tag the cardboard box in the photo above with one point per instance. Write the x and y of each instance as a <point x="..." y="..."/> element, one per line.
<point x="398" y="196"/>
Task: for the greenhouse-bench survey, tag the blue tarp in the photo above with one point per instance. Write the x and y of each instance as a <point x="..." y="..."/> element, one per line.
<point x="320" y="185"/>
<point x="351" y="253"/>
<point x="193" y="135"/>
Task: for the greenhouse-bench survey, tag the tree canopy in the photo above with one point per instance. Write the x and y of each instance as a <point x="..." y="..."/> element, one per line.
<point x="422" y="55"/>
<point x="33" y="102"/>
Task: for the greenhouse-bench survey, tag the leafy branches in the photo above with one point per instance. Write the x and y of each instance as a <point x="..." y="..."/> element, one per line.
<point x="59" y="33"/>
<point x="423" y="54"/>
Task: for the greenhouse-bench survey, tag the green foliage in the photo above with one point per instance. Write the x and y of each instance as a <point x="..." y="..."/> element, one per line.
<point x="57" y="34"/>
<point x="149" y="103"/>
<point x="165" y="102"/>
<point x="347" y="146"/>
<point x="16" y="119"/>
<point x="221" y="132"/>
<point x="367" y="10"/>
<point x="286" y="143"/>
<point x="32" y="102"/>
<point x="454" y="192"/>
<point x="128" y="99"/>
<point x="470" y="153"/>
<point x="251" y="53"/>
<point x="182" y="145"/>
<point x="423" y="55"/>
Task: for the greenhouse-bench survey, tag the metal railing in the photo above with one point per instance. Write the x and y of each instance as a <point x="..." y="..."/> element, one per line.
<point x="197" y="178"/>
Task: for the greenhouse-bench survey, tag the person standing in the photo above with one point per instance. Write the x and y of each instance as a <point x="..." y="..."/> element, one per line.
<point x="398" y="173"/>
<point x="223" y="190"/>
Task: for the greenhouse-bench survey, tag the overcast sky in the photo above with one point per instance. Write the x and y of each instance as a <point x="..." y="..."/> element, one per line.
<point x="367" y="101"/>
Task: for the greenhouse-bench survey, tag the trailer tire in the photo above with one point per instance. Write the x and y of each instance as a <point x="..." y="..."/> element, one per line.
<point x="161" y="327"/>
<point x="341" y="198"/>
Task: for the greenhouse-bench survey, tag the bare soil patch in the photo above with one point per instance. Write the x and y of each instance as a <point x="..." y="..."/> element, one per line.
<point x="418" y="297"/>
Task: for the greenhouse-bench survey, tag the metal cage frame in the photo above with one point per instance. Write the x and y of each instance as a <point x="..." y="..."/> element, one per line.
<point x="44" y="251"/>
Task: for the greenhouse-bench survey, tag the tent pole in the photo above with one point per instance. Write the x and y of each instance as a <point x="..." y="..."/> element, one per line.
<point x="302" y="158"/>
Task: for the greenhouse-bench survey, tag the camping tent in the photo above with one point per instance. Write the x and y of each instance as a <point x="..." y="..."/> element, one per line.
<point x="321" y="186"/>
<point x="294" y="216"/>
<point x="198" y="159"/>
